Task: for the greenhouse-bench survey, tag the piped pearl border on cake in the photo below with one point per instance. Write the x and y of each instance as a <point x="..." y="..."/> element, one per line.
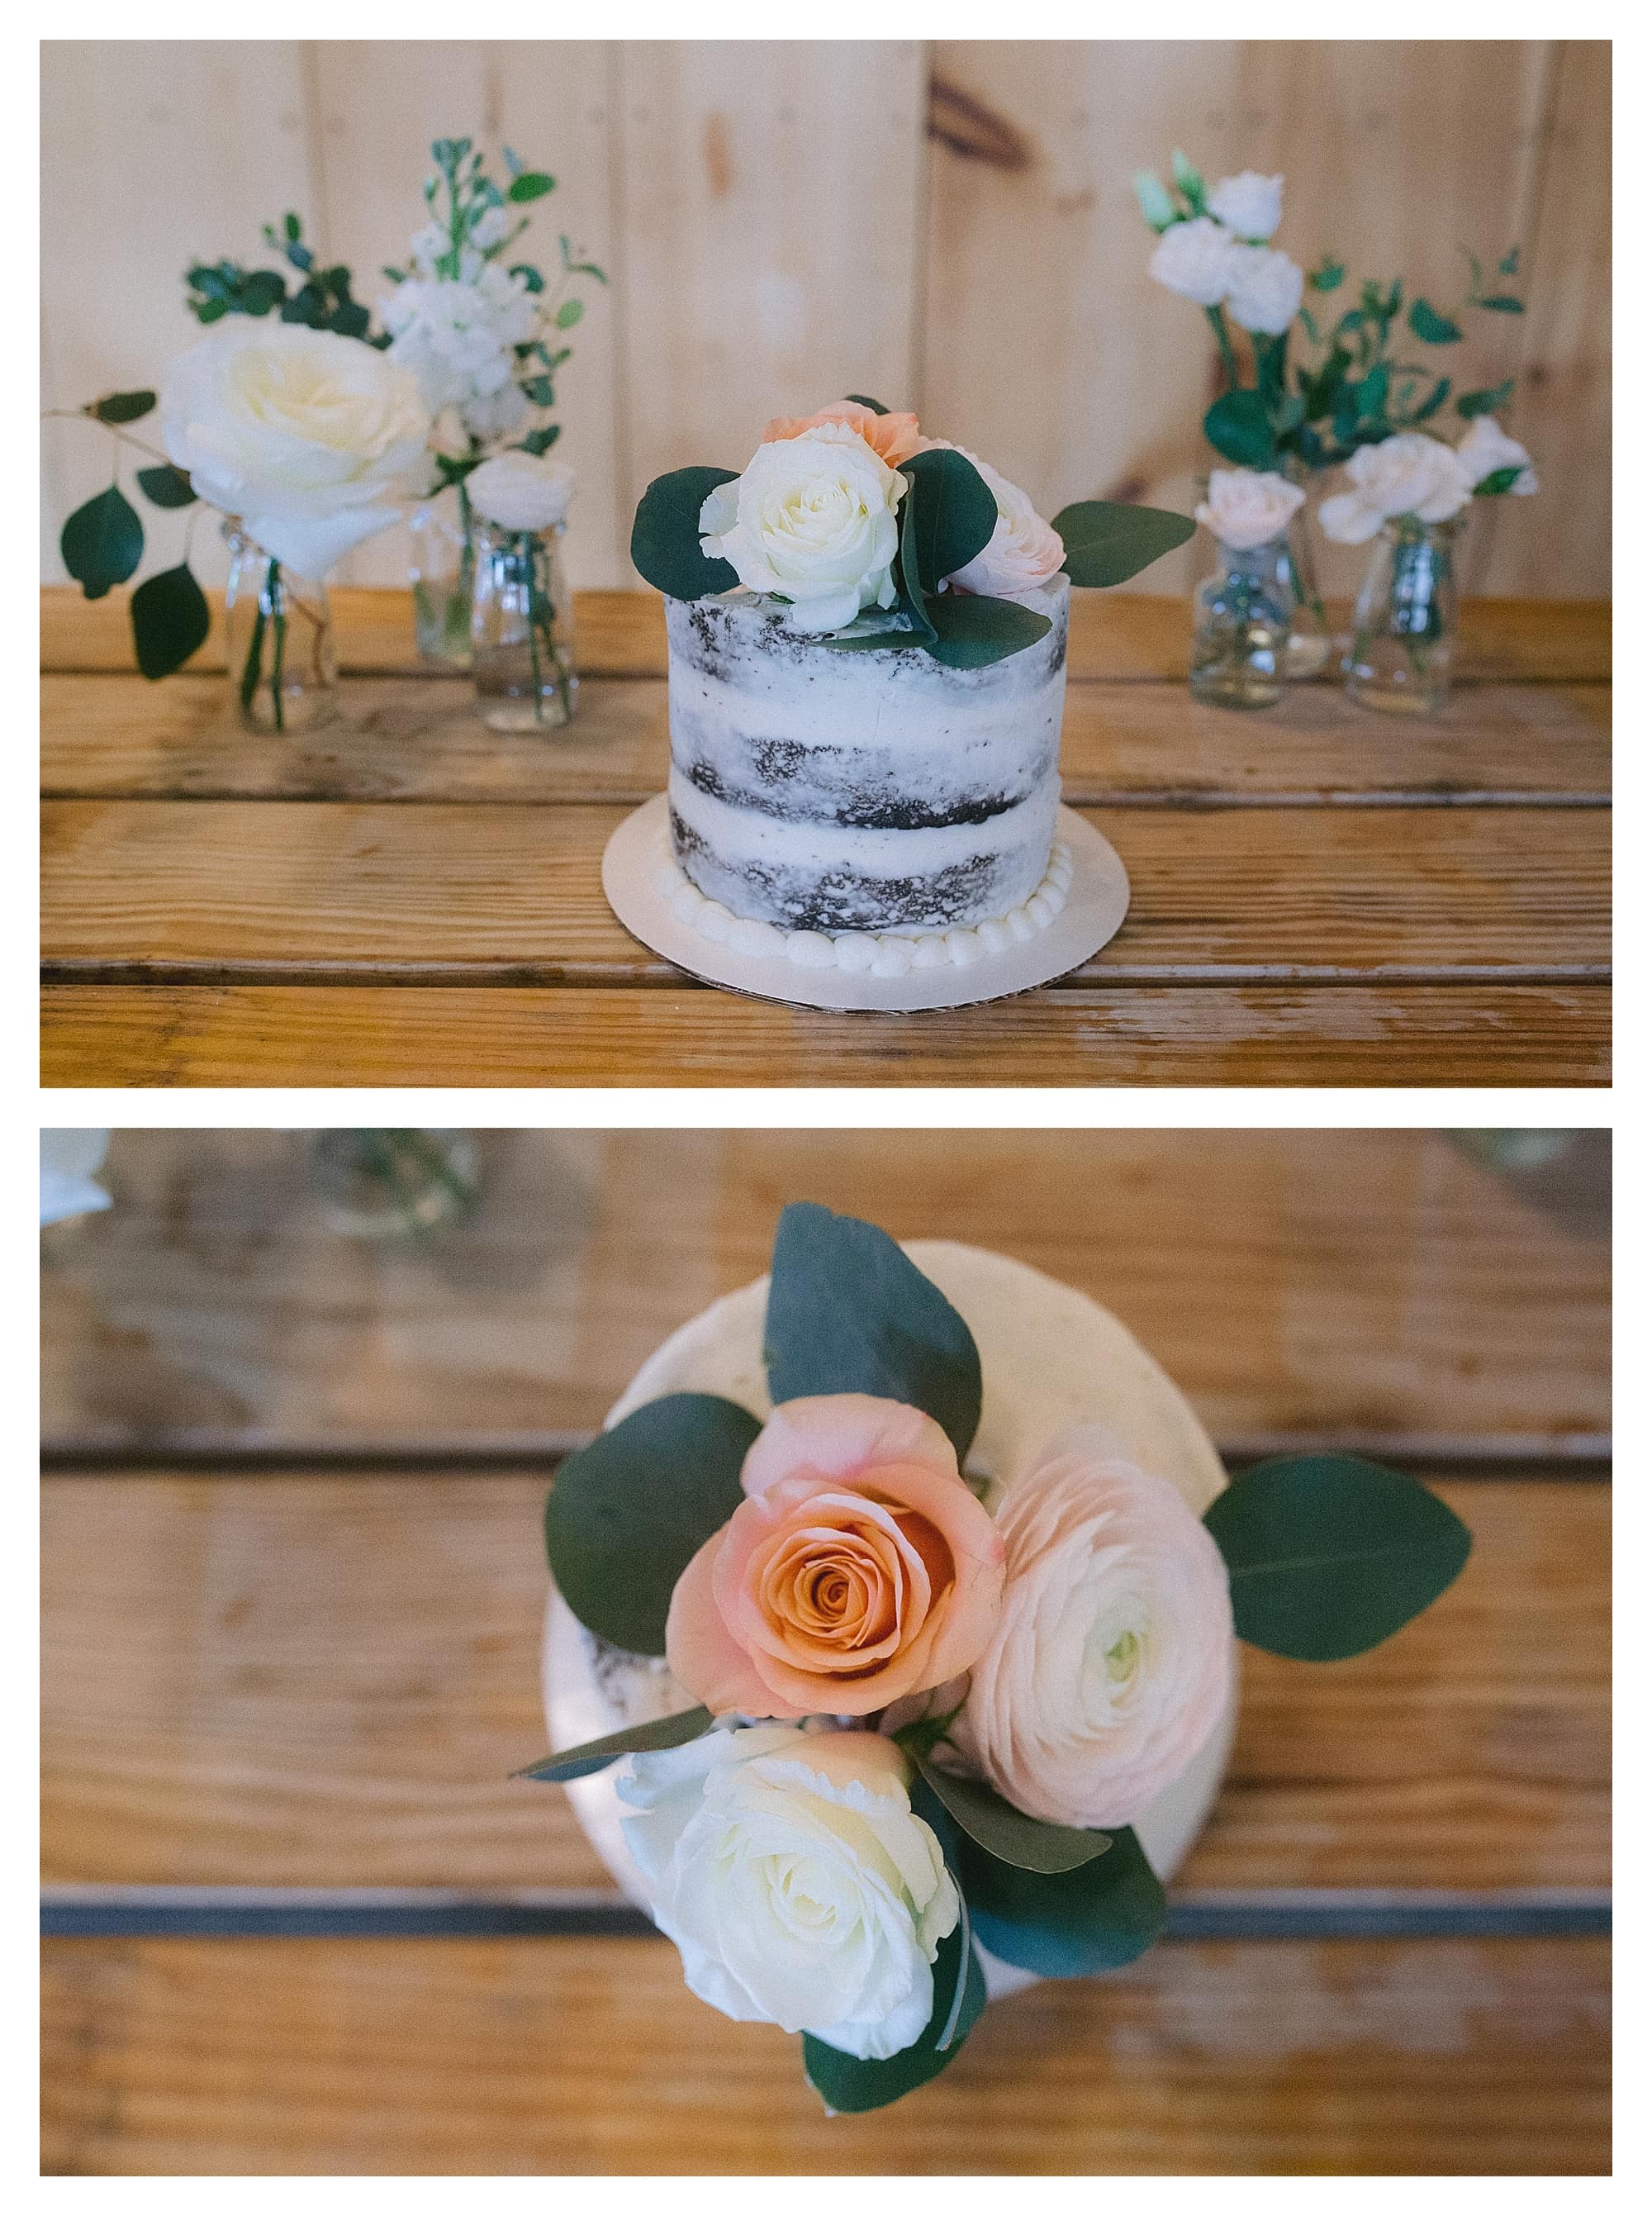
<point x="882" y="954"/>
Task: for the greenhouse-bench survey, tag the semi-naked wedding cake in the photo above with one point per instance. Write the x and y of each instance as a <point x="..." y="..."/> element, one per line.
<point x="876" y="791"/>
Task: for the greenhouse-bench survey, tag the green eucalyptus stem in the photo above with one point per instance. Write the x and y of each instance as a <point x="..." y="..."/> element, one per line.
<point x="528" y="552"/>
<point x="1218" y="322"/>
<point x="278" y="641"/>
<point x="255" y="661"/>
<point x="1305" y="598"/>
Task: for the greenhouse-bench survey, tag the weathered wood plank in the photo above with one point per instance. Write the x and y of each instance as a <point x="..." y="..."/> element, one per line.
<point x="1375" y="1288"/>
<point x="623" y="634"/>
<point x="580" y="2057"/>
<point x="1270" y="1035"/>
<point x="326" y="1679"/>
<point x="217" y="891"/>
<point x="1129" y="742"/>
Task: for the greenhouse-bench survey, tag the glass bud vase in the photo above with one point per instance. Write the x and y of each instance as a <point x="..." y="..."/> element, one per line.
<point x="278" y="633"/>
<point x="1399" y="659"/>
<point x="1241" y="628"/>
<point x="522" y="630"/>
<point x="442" y="574"/>
<point x="1308" y="648"/>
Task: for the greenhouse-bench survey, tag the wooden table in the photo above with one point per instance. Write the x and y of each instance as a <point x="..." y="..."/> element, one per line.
<point x="1321" y="896"/>
<point x="293" y="1594"/>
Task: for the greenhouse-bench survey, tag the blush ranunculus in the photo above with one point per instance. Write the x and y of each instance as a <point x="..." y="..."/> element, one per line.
<point x="860" y="1568"/>
<point x="893" y="438"/>
<point x="1114" y="1654"/>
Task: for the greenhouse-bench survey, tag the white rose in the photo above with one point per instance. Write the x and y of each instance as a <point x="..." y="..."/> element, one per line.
<point x="521" y="492"/>
<point x="812" y="518"/>
<point x="70" y="1161"/>
<point x="1487" y="447"/>
<point x="1023" y="552"/>
<point x="1114" y="1657"/>
<point x="1409" y="474"/>
<point x="1196" y="259"/>
<point x="310" y="438"/>
<point x="1250" y="205"/>
<point x="1264" y="290"/>
<point x="798" y="1885"/>
<point x="1246" y="508"/>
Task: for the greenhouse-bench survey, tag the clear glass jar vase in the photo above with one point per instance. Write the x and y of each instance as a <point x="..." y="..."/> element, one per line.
<point x="443" y="573"/>
<point x="1307" y="648"/>
<point x="278" y="631"/>
<point x="1242" y="628"/>
<point x="522" y="630"/>
<point x="1399" y="659"/>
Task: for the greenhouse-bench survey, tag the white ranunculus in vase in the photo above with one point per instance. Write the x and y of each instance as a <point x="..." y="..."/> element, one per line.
<point x="1250" y="205"/>
<point x="813" y="520"/>
<point x="1409" y="474"/>
<point x="1487" y="448"/>
<point x="798" y="1885"/>
<point x="1264" y="290"/>
<point x="1247" y="508"/>
<point x="1114" y="1658"/>
<point x="312" y="440"/>
<point x="1195" y="259"/>
<point x="521" y="491"/>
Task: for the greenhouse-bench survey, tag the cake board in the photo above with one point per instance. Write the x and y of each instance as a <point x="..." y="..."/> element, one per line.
<point x="1096" y="904"/>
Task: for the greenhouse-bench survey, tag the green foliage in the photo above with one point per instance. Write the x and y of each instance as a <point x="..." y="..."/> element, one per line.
<point x="851" y="2087"/>
<point x="909" y="576"/>
<point x="1003" y="1832"/>
<point x="665" y="536"/>
<point x="1108" y="541"/>
<point x="864" y="400"/>
<point x="1153" y="200"/>
<point x="1486" y="401"/>
<point x="321" y="302"/>
<point x="1431" y="327"/>
<point x="169" y="620"/>
<point x="123" y="407"/>
<point x="529" y="185"/>
<point x="627" y="1513"/>
<point x="1328" y="276"/>
<point x="1328" y="1554"/>
<point x="1073" y="1923"/>
<point x="849" y="1312"/>
<point x="1500" y="481"/>
<point x="166" y="486"/>
<point x="1239" y="428"/>
<point x="1189" y="183"/>
<point x="951" y="512"/>
<point x="568" y="314"/>
<point x="598" y="1753"/>
<point x="103" y="543"/>
<point x="542" y="440"/>
<point x="971" y="630"/>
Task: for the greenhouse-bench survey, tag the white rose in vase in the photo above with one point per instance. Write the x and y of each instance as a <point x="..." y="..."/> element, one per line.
<point x="1246" y="508"/>
<point x="1195" y="259"/>
<point x="1023" y="552"/>
<point x="811" y="519"/>
<point x="798" y="1885"/>
<point x="1409" y="474"/>
<point x="1114" y="1657"/>
<point x="1488" y="448"/>
<point x="1264" y="290"/>
<point x="311" y="438"/>
<point x="1250" y="205"/>
<point x="521" y="491"/>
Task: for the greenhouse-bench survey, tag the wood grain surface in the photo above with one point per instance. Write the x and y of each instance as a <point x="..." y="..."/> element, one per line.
<point x="1317" y="1286"/>
<point x="190" y="2057"/>
<point x="326" y="1679"/>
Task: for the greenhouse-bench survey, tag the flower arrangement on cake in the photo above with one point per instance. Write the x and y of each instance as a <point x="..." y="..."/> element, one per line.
<point x="928" y="1674"/>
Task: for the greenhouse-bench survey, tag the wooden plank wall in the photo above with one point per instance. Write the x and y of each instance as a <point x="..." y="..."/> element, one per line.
<point x="949" y="225"/>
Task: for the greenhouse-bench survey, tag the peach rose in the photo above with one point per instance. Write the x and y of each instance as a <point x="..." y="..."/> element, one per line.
<point x="859" y="1568"/>
<point x="893" y="438"/>
<point x="1114" y="1654"/>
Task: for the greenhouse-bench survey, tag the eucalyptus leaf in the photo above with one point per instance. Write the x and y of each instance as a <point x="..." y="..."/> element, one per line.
<point x="568" y="314"/>
<point x="529" y="185"/>
<point x="1431" y="327"/>
<point x="973" y="629"/>
<point x="1328" y="276"/>
<point x="1073" y="1923"/>
<point x="1238" y="426"/>
<point x="598" y="1753"/>
<point x="1004" y="1832"/>
<point x="849" y="1312"/>
<point x="665" y="536"/>
<point x="865" y="400"/>
<point x="1500" y="481"/>
<point x="1502" y="304"/>
<point x="1486" y="401"/>
<point x="166" y="486"/>
<point x="954" y="512"/>
<point x="169" y="620"/>
<point x="851" y="2087"/>
<point x="123" y="407"/>
<point x="1328" y="1555"/>
<point x="1108" y="541"/>
<point x="627" y="1513"/>
<point x="908" y="574"/>
<point x="103" y="543"/>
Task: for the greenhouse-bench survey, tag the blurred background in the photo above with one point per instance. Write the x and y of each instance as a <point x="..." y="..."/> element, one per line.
<point x="301" y="1396"/>
<point x="948" y="227"/>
